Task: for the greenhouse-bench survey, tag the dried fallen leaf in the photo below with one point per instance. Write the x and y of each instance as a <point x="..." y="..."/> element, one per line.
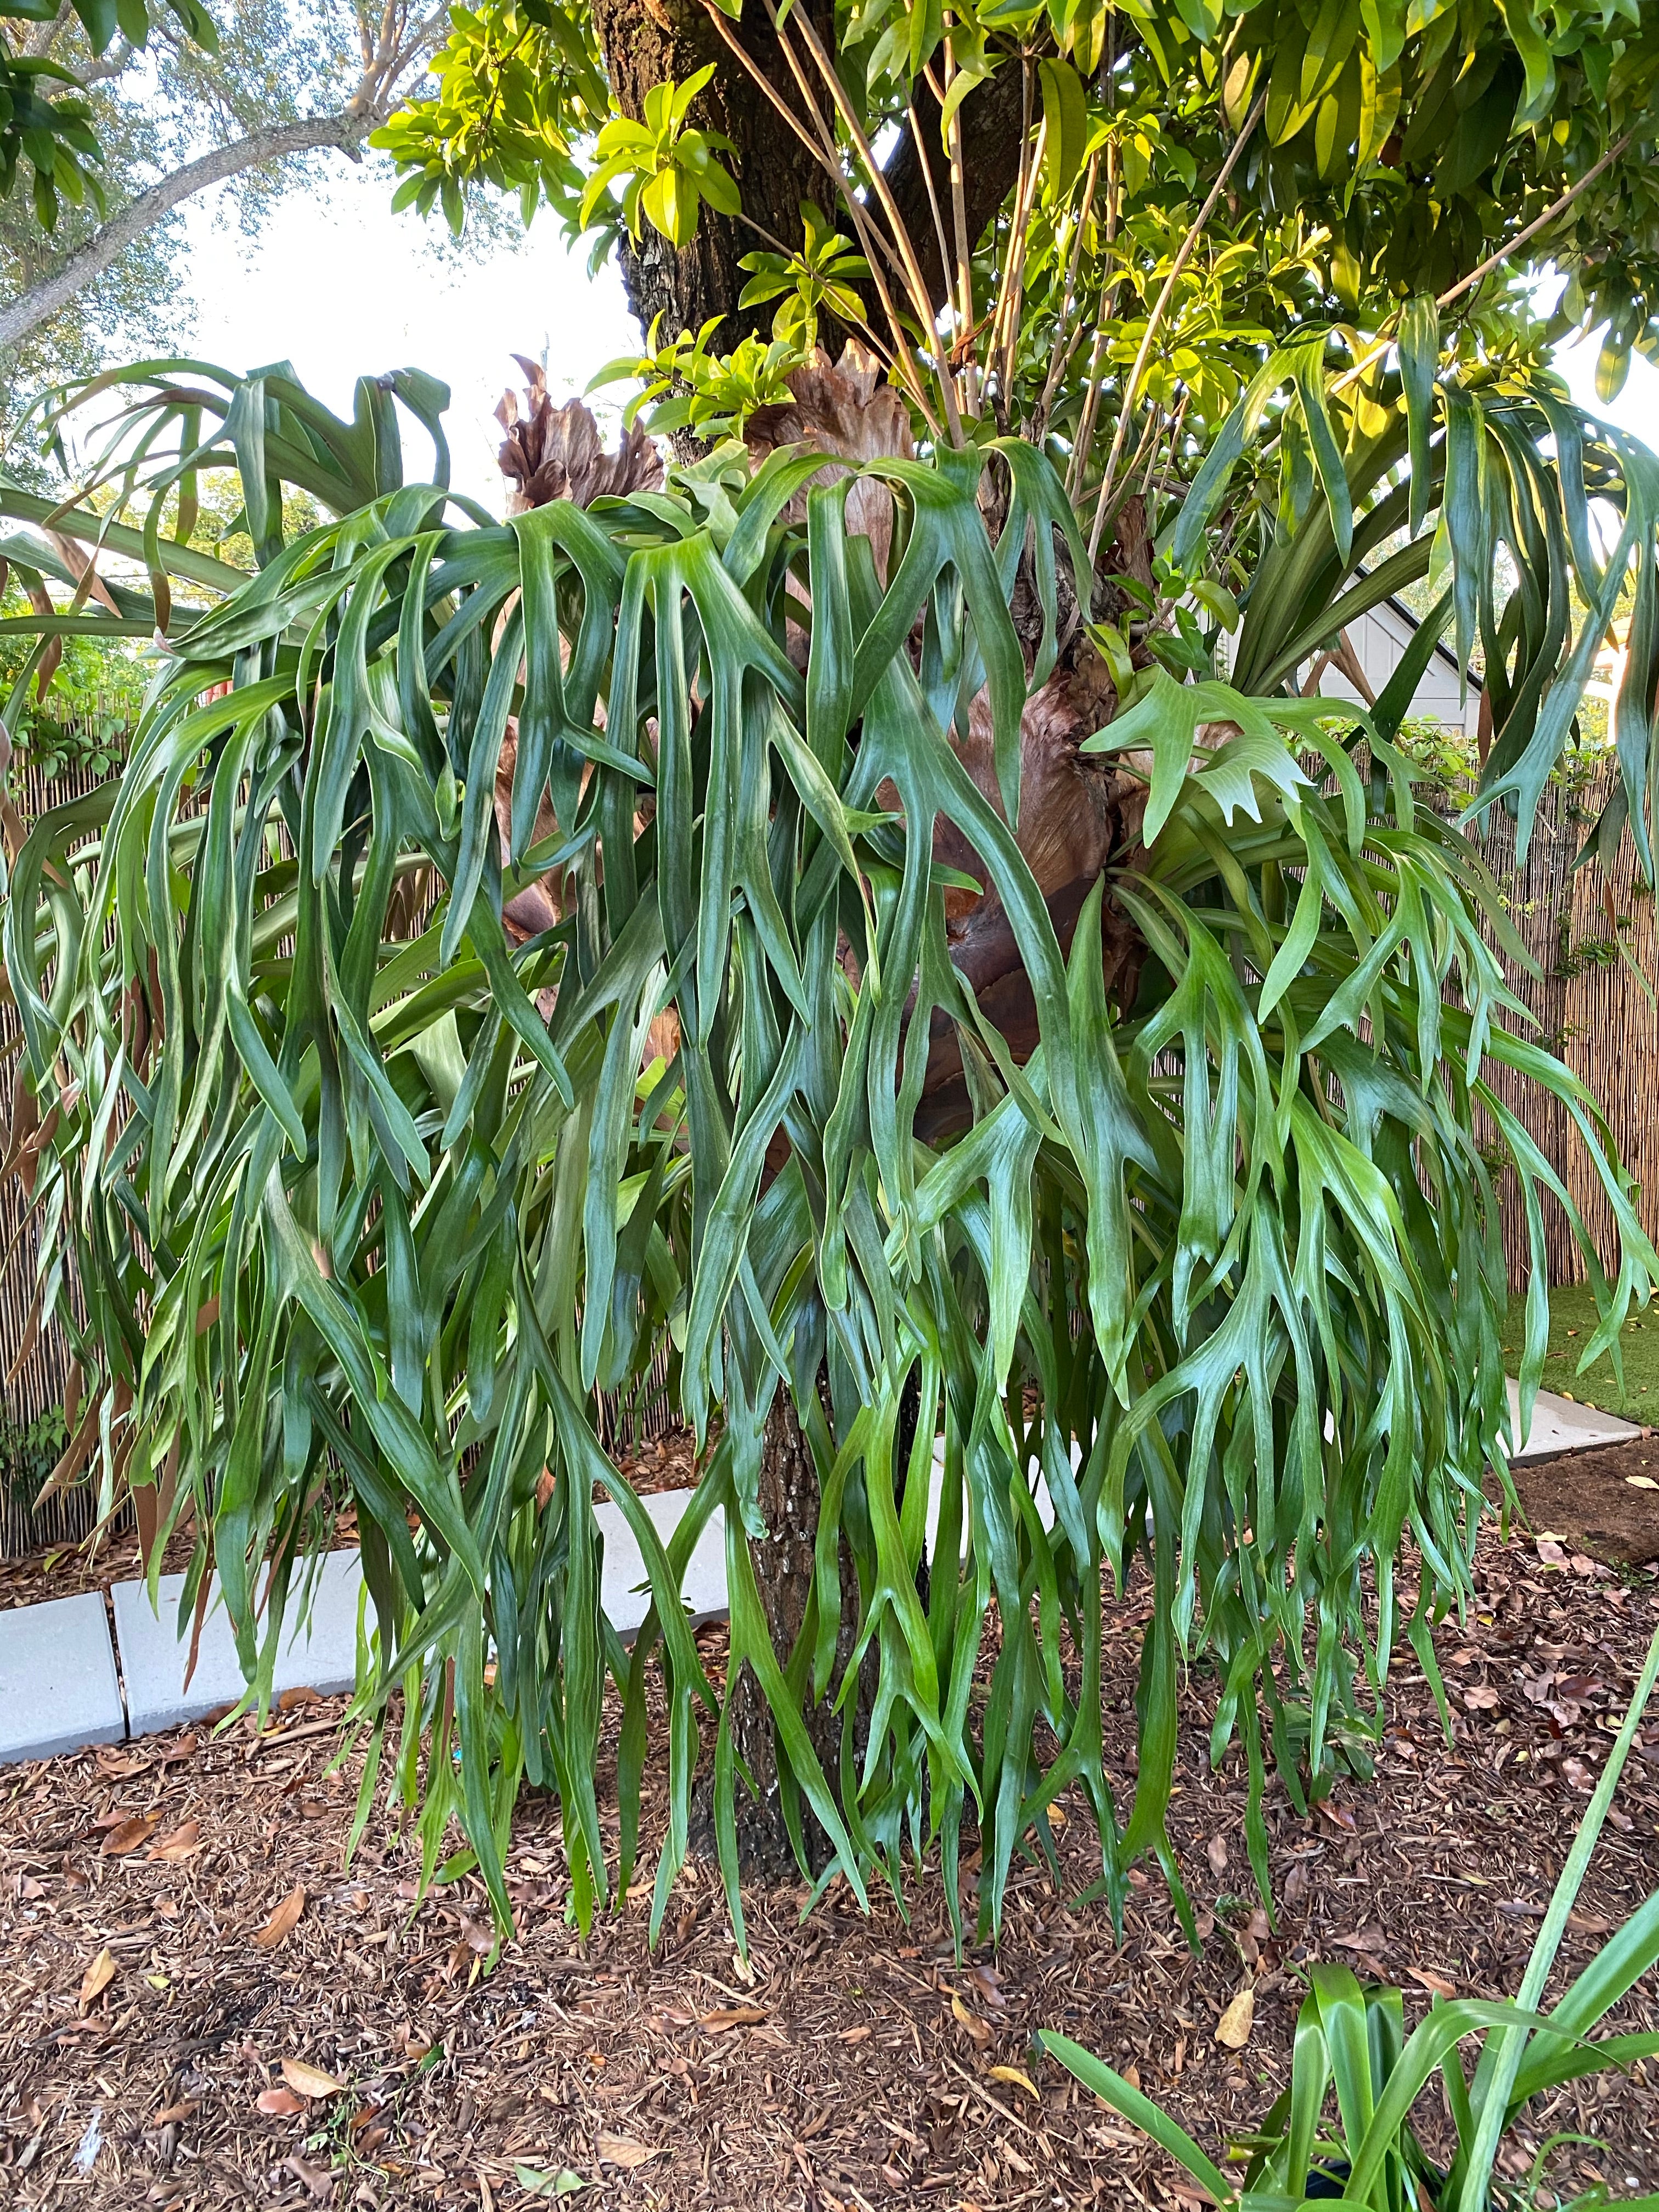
<point x="1018" y="2077"/>
<point x="1338" y="1816"/>
<point x="717" y="2023"/>
<point x="170" y="2115"/>
<point x="975" y="2026"/>
<point x="316" y="2178"/>
<point x="622" y="2150"/>
<point x="122" y="1766"/>
<point x="129" y="1835"/>
<point x="1365" y="1939"/>
<point x="1233" y="2029"/>
<point x="183" y="1844"/>
<point x="98" y="1977"/>
<point x="279" y="2104"/>
<point x="307" y="2080"/>
<point x="1435" y="1984"/>
<point x="1642" y="1482"/>
<point x="1216" y="1851"/>
<point x="283" y="1920"/>
<point x="855" y="2035"/>
<point x="1588" y="1923"/>
<point x="1482" y="1698"/>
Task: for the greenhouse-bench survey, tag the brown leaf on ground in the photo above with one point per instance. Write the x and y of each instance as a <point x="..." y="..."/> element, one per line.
<point x="1020" y="2079"/>
<point x="1435" y="1984"/>
<point x="624" y="2151"/>
<point x="1216" y="1851"/>
<point x="307" y="2080"/>
<point x="171" y="2115"/>
<point x="1481" y="1699"/>
<point x="278" y="2104"/>
<point x="316" y="2179"/>
<point x="1233" y="2029"/>
<point x="98" y="1977"/>
<point x="130" y="1836"/>
<point x="731" y="2017"/>
<point x="283" y="1920"/>
<point x="1365" y="1939"/>
<point x="183" y="1844"/>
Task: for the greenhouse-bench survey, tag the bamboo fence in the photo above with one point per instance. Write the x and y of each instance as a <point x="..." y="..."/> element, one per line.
<point x="1592" y="1008"/>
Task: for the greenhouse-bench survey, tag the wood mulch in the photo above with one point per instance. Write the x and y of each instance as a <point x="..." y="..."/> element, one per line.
<point x="180" y="1943"/>
<point x="1604" y="1502"/>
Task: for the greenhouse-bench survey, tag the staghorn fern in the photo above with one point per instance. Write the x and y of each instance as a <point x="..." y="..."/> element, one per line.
<point x="373" y="1207"/>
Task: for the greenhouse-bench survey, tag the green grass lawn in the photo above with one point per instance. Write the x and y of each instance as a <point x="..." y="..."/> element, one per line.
<point x="1573" y="1323"/>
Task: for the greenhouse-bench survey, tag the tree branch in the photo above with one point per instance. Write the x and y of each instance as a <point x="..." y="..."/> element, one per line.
<point x="42" y="300"/>
<point x="40" y="41"/>
<point x="1557" y="207"/>
<point x="991" y="119"/>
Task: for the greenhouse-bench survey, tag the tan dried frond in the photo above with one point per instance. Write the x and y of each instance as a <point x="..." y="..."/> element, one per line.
<point x="846" y="408"/>
<point x="558" y="453"/>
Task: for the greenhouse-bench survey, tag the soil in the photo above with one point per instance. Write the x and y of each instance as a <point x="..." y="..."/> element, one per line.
<point x="850" y="2062"/>
<point x="1605" y="1503"/>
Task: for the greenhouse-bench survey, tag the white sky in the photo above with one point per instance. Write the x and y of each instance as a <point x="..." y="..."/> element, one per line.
<point x="341" y="287"/>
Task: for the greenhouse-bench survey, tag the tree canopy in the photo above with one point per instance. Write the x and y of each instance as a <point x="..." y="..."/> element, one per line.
<point x="161" y="111"/>
<point x="1399" y="145"/>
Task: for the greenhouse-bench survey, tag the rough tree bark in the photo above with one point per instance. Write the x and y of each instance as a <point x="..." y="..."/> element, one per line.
<point x="646" y="42"/>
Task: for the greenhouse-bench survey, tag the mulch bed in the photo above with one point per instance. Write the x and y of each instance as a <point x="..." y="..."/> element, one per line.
<point x="1605" y="1503"/>
<point x="852" y="2062"/>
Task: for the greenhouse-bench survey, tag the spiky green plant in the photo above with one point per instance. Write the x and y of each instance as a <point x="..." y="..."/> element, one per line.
<point x="1351" y="2040"/>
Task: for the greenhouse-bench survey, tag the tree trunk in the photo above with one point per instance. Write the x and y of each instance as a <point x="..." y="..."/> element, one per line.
<point x="646" y="42"/>
<point x="783" y="1564"/>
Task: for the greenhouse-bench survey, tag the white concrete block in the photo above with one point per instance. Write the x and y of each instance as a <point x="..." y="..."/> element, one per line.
<point x="57" y="1687"/>
<point x="624" y="1583"/>
<point x="321" y="1655"/>
<point x="154" y="1659"/>
<point x="1560" y="1424"/>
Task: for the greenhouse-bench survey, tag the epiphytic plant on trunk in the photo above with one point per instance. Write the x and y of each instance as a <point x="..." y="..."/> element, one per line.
<point x="1081" y="1159"/>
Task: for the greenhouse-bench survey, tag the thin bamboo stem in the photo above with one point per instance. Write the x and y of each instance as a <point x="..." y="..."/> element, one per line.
<point x="964" y="246"/>
<point x="1539" y="222"/>
<point x="1131" y="387"/>
<point x="802" y="23"/>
